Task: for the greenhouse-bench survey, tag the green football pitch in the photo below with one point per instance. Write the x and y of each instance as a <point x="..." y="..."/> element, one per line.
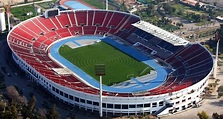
<point x="119" y="66"/>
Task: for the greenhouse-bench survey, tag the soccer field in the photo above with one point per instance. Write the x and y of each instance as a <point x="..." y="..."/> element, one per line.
<point x="119" y="66"/>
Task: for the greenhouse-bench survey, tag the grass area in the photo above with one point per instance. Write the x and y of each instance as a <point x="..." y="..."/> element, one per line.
<point x="118" y="64"/>
<point x="113" y="5"/>
<point x="46" y="5"/>
<point x="203" y="23"/>
<point x="180" y="9"/>
<point x="219" y="12"/>
<point x="170" y="27"/>
<point x="195" y="12"/>
<point x="20" y="12"/>
<point x="96" y="3"/>
<point x="191" y="14"/>
<point x="185" y="9"/>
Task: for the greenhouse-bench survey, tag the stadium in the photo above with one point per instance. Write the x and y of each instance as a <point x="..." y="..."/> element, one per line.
<point x="179" y="69"/>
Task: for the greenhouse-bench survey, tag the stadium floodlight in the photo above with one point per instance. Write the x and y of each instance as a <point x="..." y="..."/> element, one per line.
<point x="51" y="13"/>
<point x="7" y="11"/>
<point x="100" y="71"/>
<point x="217" y="38"/>
<point x="106" y="4"/>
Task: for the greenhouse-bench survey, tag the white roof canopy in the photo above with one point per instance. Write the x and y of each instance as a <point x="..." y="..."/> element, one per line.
<point x="62" y="71"/>
<point x="160" y="33"/>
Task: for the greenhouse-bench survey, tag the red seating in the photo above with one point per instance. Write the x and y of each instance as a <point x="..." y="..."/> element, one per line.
<point x="116" y="18"/>
<point x="72" y="18"/>
<point x="107" y="19"/>
<point x="81" y="17"/>
<point x="40" y="25"/>
<point x="89" y="30"/>
<point x="90" y="17"/>
<point x="51" y="34"/>
<point x="75" y="30"/>
<point x="47" y="22"/>
<point x="99" y="17"/>
<point x="63" y="32"/>
<point x="33" y="28"/>
<point x="64" y="20"/>
<point x="21" y="34"/>
<point x="57" y="23"/>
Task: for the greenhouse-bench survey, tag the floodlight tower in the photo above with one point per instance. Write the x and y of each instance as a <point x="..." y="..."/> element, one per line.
<point x="217" y="38"/>
<point x="2" y="21"/>
<point x="106" y="4"/>
<point x="7" y="11"/>
<point x="100" y="71"/>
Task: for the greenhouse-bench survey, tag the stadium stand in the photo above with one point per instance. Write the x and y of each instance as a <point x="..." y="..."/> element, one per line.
<point x="190" y="63"/>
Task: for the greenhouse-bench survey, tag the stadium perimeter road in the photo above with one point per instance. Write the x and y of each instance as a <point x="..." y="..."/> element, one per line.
<point x="26" y="86"/>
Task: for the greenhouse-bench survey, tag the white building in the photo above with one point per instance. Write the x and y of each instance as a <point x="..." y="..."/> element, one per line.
<point x="2" y="21"/>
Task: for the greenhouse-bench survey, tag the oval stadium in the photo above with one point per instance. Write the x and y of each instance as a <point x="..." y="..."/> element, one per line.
<point x="66" y="52"/>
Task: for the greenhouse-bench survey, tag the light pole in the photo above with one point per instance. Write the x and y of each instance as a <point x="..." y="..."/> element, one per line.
<point x="106" y="4"/>
<point x="217" y="38"/>
<point x="100" y="71"/>
<point x="7" y="11"/>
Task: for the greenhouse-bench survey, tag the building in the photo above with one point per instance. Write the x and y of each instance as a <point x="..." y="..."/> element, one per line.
<point x="182" y="70"/>
<point x="2" y="21"/>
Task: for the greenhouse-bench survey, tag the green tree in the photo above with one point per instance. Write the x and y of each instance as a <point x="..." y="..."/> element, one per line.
<point x="197" y="5"/>
<point x="217" y="116"/>
<point x="42" y="114"/>
<point x="168" y="8"/>
<point x="31" y="103"/>
<point x="150" y="10"/>
<point x="52" y="113"/>
<point x="202" y="115"/>
<point x="14" y="112"/>
<point x="195" y="17"/>
<point x="2" y="106"/>
<point x="28" y="111"/>
<point x="209" y="48"/>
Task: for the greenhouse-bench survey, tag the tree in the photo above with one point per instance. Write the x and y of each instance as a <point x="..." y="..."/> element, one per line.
<point x="2" y="106"/>
<point x="42" y="114"/>
<point x="215" y="3"/>
<point x="32" y="103"/>
<point x="168" y="8"/>
<point x="14" y="112"/>
<point x="28" y="110"/>
<point x="202" y="115"/>
<point x="176" y="1"/>
<point x="197" y="5"/>
<point x="195" y="17"/>
<point x="209" y="48"/>
<point x="179" y="24"/>
<point x="180" y="12"/>
<point x="12" y="92"/>
<point x="150" y="10"/>
<point x="14" y="95"/>
<point x="217" y="116"/>
<point x="52" y="113"/>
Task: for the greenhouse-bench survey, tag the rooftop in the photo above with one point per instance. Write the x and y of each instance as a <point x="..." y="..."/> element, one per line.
<point x="160" y="33"/>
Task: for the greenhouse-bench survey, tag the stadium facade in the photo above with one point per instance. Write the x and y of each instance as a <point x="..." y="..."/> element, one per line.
<point x="189" y="64"/>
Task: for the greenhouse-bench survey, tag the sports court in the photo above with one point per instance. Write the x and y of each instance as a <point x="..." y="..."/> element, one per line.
<point x="76" y="4"/>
